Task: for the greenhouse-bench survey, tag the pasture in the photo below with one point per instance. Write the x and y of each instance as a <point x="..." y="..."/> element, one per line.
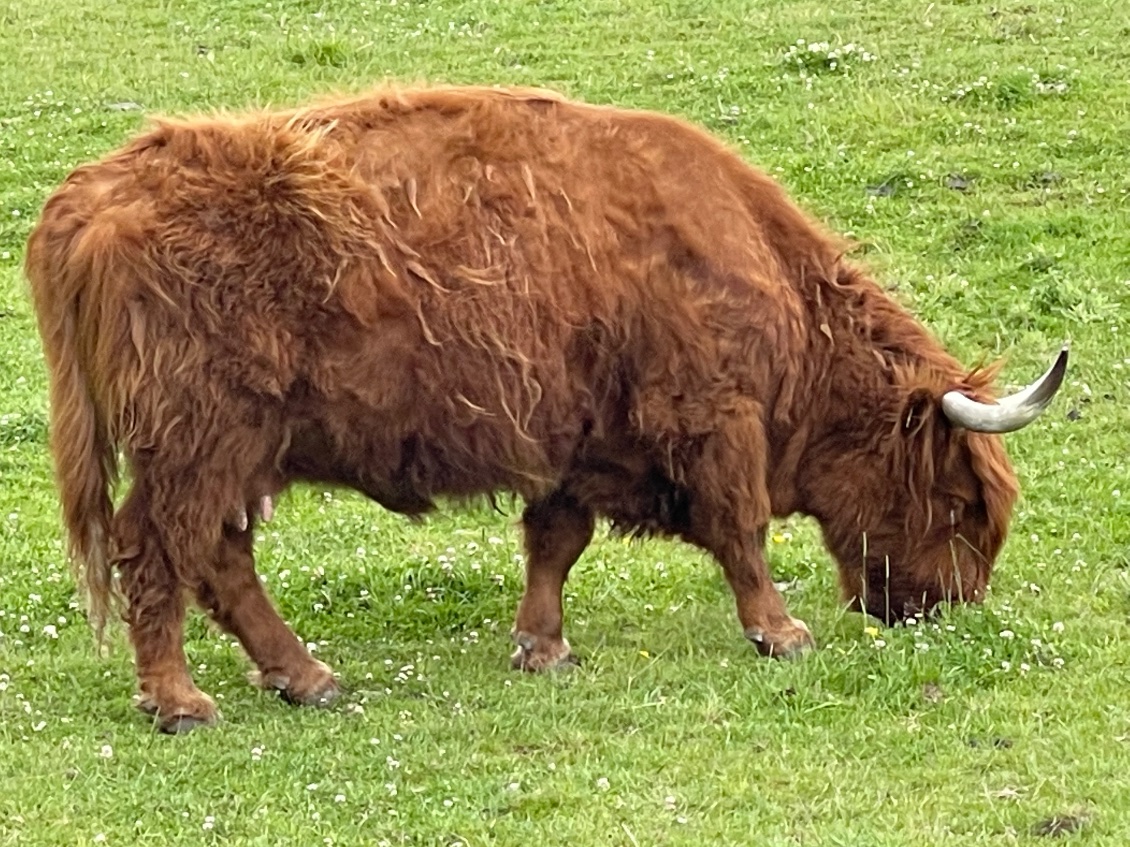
<point x="976" y="152"/>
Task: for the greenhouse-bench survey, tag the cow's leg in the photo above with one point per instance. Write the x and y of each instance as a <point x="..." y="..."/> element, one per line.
<point x="557" y="530"/>
<point x="234" y="597"/>
<point x="155" y="615"/>
<point x="761" y="609"/>
<point x="730" y="512"/>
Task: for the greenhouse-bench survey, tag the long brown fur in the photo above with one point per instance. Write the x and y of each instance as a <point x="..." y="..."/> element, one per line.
<point x="449" y="292"/>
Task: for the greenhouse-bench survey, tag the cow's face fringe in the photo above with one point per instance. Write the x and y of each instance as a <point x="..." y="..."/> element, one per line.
<point x="917" y="516"/>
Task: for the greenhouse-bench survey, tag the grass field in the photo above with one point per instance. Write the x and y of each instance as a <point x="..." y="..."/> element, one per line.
<point x="978" y="152"/>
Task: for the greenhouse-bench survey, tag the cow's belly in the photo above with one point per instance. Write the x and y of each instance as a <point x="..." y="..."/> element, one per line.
<point x="405" y="473"/>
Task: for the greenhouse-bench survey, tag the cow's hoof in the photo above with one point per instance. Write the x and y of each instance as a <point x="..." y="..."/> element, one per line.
<point x="179" y="718"/>
<point x="181" y="724"/>
<point x="790" y="641"/>
<point x="314" y="685"/>
<point x="541" y="653"/>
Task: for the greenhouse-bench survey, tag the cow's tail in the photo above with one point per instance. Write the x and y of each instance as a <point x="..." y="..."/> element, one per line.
<point x="86" y="467"/>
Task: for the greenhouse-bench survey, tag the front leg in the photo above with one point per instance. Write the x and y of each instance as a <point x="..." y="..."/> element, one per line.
<point x="765" y="620"/>
<point x="557" y="530"/>
<point x="729" y="515"/>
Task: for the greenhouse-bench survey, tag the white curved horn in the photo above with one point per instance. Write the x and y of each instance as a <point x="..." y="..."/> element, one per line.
<point x="1009" y="413"/>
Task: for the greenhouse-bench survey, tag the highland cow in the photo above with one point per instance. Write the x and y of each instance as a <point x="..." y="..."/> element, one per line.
<point x="450" y="292"/>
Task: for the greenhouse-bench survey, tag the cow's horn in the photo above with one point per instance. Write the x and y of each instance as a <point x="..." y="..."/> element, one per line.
<point x="1009" y="413"/>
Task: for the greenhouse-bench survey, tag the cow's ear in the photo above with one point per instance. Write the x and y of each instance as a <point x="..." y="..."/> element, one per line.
<point x="919" y="410"/>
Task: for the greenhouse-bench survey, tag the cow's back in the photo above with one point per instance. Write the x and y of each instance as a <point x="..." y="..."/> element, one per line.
<point x="526" y="225"/>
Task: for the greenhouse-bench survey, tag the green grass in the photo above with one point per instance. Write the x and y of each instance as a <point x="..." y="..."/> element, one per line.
<point x="980" y="158"/>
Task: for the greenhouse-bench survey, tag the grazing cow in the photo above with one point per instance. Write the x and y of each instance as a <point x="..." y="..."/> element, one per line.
<point x="449" y="292"/>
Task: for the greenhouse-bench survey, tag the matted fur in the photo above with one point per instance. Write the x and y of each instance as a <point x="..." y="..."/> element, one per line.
<point x="455" y="291"/>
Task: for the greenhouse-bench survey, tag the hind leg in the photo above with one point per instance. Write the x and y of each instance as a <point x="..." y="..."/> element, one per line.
<point x="557" y="530"/>
<point x="155" y="616"/>
<point x="234" y="597"/>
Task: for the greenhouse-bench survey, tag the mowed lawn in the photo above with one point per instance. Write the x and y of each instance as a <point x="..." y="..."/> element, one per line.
<point x="978" y="152"/>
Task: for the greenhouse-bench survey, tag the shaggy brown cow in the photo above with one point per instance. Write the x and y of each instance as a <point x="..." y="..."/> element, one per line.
<point x="456" y="291"/>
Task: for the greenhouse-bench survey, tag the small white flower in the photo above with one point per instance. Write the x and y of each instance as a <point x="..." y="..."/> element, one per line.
<point x="107" y="752"/>
<point x="209" y="822"/>
<point x="603" y="783"/>
<point x="313" y="786"/>
<point x="339" y="798"/>
<point x="50" y="631"/>
<point x="1057" y="626"/>
<point x="1007" y="633"/>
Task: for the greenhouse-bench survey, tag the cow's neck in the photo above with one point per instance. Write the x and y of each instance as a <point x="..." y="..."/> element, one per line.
<point x="865" y="357"/>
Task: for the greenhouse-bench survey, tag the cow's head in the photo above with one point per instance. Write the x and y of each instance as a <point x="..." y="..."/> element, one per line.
<point x="916" y="509"/>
